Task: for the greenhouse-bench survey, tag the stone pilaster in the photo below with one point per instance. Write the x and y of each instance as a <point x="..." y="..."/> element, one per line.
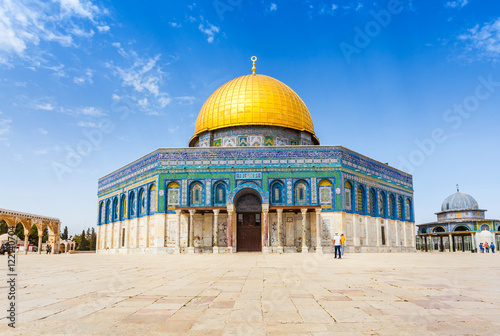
<point x="230" y="210"/>
<point x="319" y="231"/>
<point x="305" y="248"/>
<point x="40" y="242"/>
<point x="280" y="230"/>
<point x="191" y="231"/>
<point x="177" y="248"/>
<point x="215" y="236"/>
<point x="265" y="229"/>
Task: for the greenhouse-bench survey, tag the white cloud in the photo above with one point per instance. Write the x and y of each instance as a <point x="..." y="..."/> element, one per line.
<point x="175" y="24"/>
<point x="145" y="77"/>
<point x="85" y="78"/>
<point x="24" y="24"/>
<point x="44" y="106"/>
<point x="484" y="39"/>
<point x="103" y="29"/>
<point x="273" y="7"/>
<point x="209" y="30"/>
<point x="5" y="126"/>
<point x="456" y="4"/>
<point x="89" y="124"/>
<point x="90" y="111"/>
<point x="43" y="131"/>
<point x="185" y="100"/>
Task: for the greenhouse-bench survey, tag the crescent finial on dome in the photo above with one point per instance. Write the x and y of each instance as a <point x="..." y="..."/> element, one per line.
<point x="254" y="59"/>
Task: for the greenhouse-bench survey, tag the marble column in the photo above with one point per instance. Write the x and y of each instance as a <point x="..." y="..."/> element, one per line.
<point x="280" y="230"/>
<point x="53" y="244"/>
<point x="191" y="231"/>
<point x="450" y="238"/>
<point x="40" y="242"/>
<point x="265" y="230"/>
<point x="215" y="242"/>
<point x="319" y="232"/>
<point x="26" y="234"/>
<point x="230" y="209"/>
<point x="177" y="248"/>
<point x="305" y="248"/>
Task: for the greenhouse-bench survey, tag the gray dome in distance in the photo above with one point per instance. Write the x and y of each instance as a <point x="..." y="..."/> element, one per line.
<point x="459" y="201"/>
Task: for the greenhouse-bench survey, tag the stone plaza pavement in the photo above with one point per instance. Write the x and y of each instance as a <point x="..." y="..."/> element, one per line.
<point x="256" y="294"/>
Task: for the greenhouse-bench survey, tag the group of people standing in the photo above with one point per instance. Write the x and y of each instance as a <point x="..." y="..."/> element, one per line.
<point x="486" y="248"/>
<point x="338" y="244"/>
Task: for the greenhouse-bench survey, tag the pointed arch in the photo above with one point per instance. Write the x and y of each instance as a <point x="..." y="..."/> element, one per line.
<point x="220" y="193"/>
<point x="277" y="192"/>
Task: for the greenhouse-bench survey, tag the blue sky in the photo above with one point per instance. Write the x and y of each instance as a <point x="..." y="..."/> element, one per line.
<point x="414" y="84"/>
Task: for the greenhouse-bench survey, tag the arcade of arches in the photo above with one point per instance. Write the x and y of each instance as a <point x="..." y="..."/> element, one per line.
<point x="27" y="220"/>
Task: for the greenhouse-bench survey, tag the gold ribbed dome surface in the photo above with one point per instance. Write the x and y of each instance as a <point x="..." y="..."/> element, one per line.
<point x="254" y="100"/>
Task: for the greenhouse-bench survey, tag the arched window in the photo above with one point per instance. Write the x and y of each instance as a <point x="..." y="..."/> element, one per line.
<point x="115" y="209"/>
<point x="400" y="207"/>
<point x="277" y="192"/>
<point x="220" y="193"/>
<point x="108" y="211"/>
<point x="152" y="199"/>
<point x="142" y="202"/>
<point x="348" y="195"/>
<point x="131" y="205"/>
<point x="392" y="207"/>
<point x="173" y="192"/>
<point x="361" y="199"/>
<point x="408" y="209"/>
<point x="102" y="215"/>
<point x="301" y="193"/>
<point x="381" y="204"/>
<point x="325" y="191"/>
<point x="196" y="194"/>
<point x="123" y="207"/>
<point x="461" y="228"/>
<point x="485" y="227"/>
<point x="373" y="202"/>
<point x="438" y="229"/>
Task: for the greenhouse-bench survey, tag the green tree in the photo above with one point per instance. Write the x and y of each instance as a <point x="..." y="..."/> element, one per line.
<point x="33" y="235"/>
<point x="64" y="235"/>
<point x="19" y="232"/>
<point x="93" y="240"/>
<point x="45" y="236"/>
<point x="3" y="227"/>
<point x="84" y="243"/>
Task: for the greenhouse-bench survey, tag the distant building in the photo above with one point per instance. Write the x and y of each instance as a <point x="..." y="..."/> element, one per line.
<point x="255" y="178"/>
<point x="460" y="226"/>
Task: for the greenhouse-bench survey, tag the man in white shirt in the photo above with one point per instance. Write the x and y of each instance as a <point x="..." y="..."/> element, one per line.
<point x="336" y="245"/>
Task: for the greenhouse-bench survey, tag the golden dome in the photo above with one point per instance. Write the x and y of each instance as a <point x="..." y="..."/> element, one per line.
<point x="254" y="100"/>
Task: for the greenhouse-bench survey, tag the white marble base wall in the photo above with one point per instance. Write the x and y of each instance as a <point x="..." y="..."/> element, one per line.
<point x="158" y="234"/>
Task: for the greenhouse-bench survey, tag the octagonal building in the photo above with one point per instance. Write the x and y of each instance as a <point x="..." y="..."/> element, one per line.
<point x="254" y="179"/>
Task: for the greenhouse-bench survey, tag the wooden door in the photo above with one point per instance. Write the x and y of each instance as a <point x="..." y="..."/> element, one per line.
<point x="249" y="232"/>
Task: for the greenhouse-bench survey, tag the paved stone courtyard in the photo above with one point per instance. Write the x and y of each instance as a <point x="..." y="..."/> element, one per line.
<point x="257" y="294"/>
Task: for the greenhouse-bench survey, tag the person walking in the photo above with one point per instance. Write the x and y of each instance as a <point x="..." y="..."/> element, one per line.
<point x="492" y="247"/>
<point x="481" y="247"/>
<point x="47" y="248"/>
<point x="487" y="247"/>
<point x="342" y="243"/>
<point x="336" y="245"/>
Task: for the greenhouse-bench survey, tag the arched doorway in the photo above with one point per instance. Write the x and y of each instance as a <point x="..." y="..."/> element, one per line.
<point x="248" y="218"/>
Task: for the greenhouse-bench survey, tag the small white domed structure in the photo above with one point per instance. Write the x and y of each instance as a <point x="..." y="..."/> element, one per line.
<point x="461" y="226"/>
